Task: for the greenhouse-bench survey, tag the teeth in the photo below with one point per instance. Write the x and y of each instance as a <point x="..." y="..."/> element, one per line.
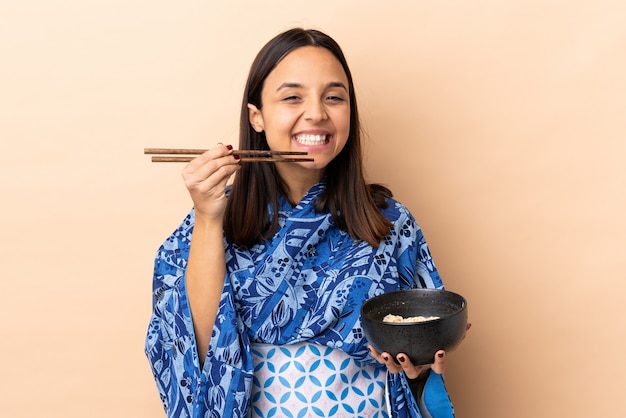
<point x="311" y="139"/>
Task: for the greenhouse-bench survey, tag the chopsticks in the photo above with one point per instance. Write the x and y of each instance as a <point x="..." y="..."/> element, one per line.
<point x="181" y="155"/>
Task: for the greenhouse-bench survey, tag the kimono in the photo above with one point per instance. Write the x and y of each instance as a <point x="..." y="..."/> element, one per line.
<point x="306" y="283"/>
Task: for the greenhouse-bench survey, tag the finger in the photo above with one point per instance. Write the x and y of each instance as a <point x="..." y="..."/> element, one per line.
<point x="411" y="371"/>
<point x="386" y="359"/>
<point x="377" y="356"/>
<point x="211" y="178"/>
<point x="439" y="366"/>
<point x="212" y="154"/>
<point x="216" y="163"/>
<point x="391" y="363"/>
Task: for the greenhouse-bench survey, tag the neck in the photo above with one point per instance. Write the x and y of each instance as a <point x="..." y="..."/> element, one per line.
<point x="298" y="180"/>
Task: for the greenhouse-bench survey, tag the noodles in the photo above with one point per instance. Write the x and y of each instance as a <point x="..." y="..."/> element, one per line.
<point x="398" y="318"/>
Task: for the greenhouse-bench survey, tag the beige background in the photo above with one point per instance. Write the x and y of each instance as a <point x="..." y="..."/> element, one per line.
<point x="501" y="124"/>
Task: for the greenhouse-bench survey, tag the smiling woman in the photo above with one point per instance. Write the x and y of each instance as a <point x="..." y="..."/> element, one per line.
<point x="308" y="73"/>
<point x="257" y="293"/>
<point x="305" y="107"/>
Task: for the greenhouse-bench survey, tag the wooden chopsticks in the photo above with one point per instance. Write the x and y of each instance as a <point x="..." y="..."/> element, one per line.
<point x="175" y="155"/>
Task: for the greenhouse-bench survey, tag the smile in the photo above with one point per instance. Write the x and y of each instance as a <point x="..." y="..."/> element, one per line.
<point x="309" y="139"/>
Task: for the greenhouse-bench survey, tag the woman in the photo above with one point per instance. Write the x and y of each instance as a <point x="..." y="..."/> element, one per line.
<point x="257" y="293"/>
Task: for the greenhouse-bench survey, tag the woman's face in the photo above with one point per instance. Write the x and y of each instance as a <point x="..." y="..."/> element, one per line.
<point x="306" y="107"/>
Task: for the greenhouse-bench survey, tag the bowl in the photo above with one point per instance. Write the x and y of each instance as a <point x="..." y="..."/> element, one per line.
<point x="419" y="340"/>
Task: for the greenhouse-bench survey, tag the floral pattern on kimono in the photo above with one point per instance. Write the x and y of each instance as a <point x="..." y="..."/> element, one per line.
<point x="306" y="283"/>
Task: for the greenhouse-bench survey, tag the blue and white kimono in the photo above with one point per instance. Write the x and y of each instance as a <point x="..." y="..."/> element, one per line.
<point x="307" y="283"/>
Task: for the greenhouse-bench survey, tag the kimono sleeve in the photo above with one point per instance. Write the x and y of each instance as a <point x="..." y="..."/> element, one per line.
<point x="170" y="342"/>
<point x="434" y="403"/>
<point x="221" y="388"/>
<point x="416" y="266"/>
<point x="416" y="269"/>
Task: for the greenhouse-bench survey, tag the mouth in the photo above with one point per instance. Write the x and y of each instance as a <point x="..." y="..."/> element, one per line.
<point x="312" y="139"/>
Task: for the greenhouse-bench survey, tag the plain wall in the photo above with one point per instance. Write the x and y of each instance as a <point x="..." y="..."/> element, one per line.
<point x="500" y="124"/>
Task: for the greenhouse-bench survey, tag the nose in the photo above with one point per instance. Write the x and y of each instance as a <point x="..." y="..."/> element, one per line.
<point x="315" y="110"/>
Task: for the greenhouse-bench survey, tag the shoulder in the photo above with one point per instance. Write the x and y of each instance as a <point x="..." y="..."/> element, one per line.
<point x="392" y="209"/>
<point x="396" y="212"/>
<point x="405" y="227"/>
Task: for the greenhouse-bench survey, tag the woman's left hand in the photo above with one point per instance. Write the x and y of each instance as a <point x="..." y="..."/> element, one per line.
<point x="403" y="363"/>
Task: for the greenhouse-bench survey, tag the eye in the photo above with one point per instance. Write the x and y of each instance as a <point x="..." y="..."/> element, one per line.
<point x="335" y="99"/>
<point x="290" y="98"/>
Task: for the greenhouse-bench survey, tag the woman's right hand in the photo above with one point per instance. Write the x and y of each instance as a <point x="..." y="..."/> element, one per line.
<point x="206" y="177"/>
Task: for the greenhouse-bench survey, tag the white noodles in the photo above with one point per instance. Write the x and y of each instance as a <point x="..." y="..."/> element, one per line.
<point x="398" y="318"/>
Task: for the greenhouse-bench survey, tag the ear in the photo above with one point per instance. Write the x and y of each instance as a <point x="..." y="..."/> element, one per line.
<point x="256" y="118"/>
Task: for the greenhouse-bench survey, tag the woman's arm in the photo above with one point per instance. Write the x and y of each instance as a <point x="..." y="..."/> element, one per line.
<point x="205" y="279"/>
<point x="206" y="177"/>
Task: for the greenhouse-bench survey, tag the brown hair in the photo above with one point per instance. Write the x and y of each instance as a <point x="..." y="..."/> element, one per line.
<point x="354" y="205"/>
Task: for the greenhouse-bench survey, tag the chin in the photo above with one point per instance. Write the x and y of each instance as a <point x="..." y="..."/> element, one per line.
<point x="314" y="165"/>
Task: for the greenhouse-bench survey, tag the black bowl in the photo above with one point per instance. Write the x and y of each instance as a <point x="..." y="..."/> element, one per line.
<point x="419" y="340"/>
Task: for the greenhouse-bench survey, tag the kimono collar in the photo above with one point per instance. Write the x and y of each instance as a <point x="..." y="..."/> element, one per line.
<point x="309" y="198"/>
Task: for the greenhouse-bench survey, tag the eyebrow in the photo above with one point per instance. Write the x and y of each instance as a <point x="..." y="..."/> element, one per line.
<point x="297" y="85"/>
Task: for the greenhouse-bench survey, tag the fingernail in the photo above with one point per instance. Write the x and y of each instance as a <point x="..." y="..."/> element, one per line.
<point x="401" y="358"/>
<point x="230" y="147"/>
<point x="440" y="355"/>
<point x="236" y="156"/>
<point x="369" y="348"/>
<point x="386" y="358"/>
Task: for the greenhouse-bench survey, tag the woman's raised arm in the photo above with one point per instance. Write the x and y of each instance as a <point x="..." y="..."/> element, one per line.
<point x="205" y="178"/>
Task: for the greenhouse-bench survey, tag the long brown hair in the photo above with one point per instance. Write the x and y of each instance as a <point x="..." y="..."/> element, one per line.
<point x="354" y="205"/>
